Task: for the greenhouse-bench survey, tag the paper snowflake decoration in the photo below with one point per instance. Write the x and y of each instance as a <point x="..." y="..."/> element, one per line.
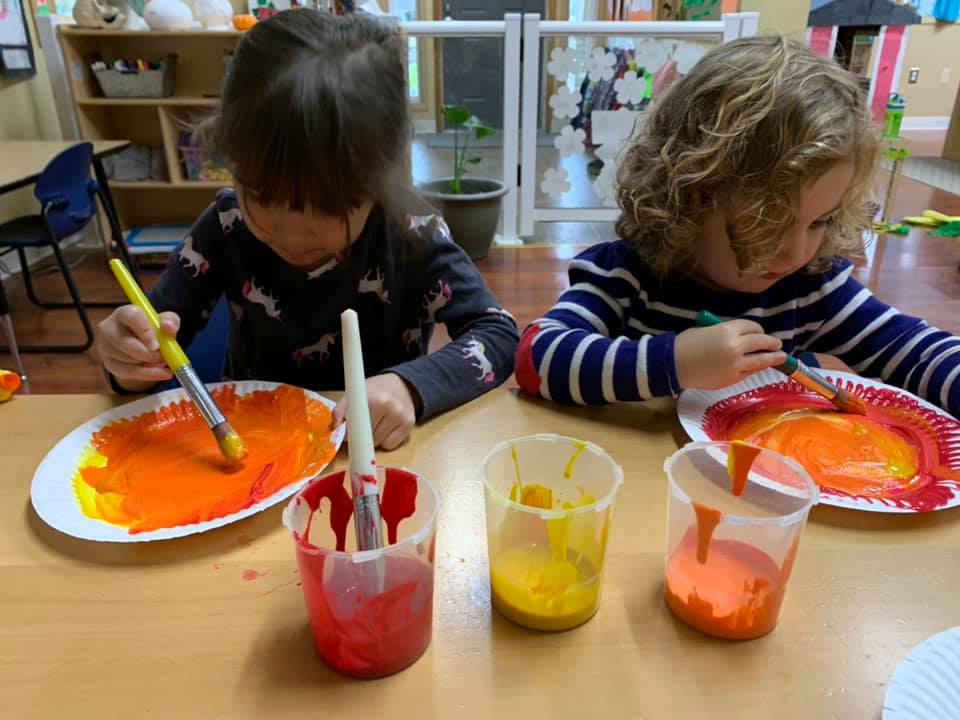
<point x="600" y="65"/>
<point x="630" y="89"/>
<point x="563" y="62"/>
<point x="564" y="102"/>
<point x="555" y="182"/>
<point x="570" y="141"/>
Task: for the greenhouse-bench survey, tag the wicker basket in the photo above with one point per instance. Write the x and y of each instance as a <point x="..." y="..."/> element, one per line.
<point x="142" y="84"/>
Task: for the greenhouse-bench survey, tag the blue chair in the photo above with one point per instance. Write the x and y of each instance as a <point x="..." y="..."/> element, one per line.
<point x="68" y="201"/>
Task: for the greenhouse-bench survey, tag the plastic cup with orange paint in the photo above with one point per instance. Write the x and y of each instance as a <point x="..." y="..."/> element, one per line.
<point x="371" y="611"/>
<point x="729" y="554"/>
<point x="548" y="508"/>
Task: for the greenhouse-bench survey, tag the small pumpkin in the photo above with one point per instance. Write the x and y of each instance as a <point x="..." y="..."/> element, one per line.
<point x="244" y="22"/>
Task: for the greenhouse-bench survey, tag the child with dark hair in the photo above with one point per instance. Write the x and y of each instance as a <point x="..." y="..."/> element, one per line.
<point x="742" y="196"/>
<point x="314" y="124"/>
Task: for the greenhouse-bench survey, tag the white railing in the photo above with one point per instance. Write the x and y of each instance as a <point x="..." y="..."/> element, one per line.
<point x="731" y="27"/>
<point x="509" y="29"/>
<point x="521" y="92"/>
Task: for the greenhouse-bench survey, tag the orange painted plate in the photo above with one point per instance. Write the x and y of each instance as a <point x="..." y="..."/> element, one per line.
<point x="934" y="434"/>
<point x="64" y="501"/>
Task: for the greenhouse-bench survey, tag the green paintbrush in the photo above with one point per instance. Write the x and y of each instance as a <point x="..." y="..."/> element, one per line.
<point x="807" y="377"/>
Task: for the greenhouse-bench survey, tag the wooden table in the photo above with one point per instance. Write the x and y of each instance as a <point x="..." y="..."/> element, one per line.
<point x="172" y="629"/>
<point x="22" y="161"/>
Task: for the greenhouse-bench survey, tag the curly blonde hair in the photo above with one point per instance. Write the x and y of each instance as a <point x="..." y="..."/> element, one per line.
<point x="742" y="133"/>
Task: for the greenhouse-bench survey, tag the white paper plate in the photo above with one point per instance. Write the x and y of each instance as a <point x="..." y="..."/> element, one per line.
<point x="693" y="405"/>
<point x="926" y="685"/>
<point x="55" y="501"/>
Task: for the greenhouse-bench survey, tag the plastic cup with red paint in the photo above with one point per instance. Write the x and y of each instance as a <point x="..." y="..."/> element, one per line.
<point x="371" y="612"/>
<point x="729" y="556"/>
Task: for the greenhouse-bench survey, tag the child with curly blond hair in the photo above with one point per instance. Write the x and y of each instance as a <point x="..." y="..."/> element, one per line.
<point x="743" y="196"/>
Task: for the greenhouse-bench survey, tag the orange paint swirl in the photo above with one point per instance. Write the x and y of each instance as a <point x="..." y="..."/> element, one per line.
<point x="900" y="453"/>
<point x="163" y="468"/>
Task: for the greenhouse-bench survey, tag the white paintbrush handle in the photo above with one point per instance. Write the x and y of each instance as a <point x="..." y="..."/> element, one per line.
<point x="363" y="463"/>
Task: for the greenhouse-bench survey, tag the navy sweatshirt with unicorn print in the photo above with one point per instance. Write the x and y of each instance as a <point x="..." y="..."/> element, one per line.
<point x="285" y="321"/>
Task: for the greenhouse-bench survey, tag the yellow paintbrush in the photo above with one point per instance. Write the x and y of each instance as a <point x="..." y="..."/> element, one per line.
<point x="231" y="445"/>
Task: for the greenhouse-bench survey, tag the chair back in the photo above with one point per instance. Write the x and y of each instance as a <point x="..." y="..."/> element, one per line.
<point x="67" y="192"/>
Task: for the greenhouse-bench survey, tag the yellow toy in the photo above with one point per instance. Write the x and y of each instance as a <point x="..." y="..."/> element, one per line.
<point x="9" y="384"/>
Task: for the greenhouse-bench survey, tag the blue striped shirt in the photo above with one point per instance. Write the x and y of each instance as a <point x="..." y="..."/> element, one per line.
<point x="611" y="336"/>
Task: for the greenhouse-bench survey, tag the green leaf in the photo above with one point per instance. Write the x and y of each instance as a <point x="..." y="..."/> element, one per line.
<point x="475" y="160"/>
<point x="480" y="128"/>
<point x="455" y="114"/>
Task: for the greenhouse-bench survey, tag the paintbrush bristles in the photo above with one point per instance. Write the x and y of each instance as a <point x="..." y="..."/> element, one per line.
<point x="850" y="403"/>
<point x="231" y="444"/>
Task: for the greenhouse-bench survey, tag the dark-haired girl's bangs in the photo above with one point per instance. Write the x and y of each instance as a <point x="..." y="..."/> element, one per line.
<point x="303" y="158"/>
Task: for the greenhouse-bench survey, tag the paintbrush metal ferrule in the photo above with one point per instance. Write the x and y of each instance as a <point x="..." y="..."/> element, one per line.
<point x="814" y="381"/>
<point x="200" y="396"/>
<point x="231" y="444"/>
<point x="366" y="516"/>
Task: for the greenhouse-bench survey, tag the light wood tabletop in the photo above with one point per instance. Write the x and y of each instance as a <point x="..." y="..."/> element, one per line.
<point x="173" y="630"/>
<point x="22" y="161"/>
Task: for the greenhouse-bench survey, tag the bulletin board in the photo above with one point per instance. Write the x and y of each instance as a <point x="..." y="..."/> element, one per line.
<point x="16" y="48"/>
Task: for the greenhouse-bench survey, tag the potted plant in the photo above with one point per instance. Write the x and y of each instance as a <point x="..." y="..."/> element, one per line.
<point x="471" y="206"/>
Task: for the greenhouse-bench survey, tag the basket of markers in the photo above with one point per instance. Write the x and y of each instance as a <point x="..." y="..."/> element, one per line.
<point x="123" y="78"/>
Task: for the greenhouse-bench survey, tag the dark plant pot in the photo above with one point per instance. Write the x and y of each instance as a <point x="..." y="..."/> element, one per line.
<point x="471" y="215"/>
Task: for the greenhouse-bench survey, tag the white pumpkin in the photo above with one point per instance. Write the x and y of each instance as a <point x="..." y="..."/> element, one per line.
<point x="167" y="15"/>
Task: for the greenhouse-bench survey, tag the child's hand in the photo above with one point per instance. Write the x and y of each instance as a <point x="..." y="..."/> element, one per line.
<point x="129" y="349"/>
<point x="711" y="358"/>
<point x="393" y="410"/>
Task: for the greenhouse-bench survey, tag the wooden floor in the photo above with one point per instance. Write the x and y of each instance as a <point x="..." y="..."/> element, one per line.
<point x="917" y="273"/>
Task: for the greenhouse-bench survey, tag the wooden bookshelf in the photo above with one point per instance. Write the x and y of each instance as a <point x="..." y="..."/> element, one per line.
<point x="154" y="122"/>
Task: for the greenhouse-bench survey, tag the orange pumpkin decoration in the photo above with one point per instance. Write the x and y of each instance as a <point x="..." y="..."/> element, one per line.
<point x="244" y="22"/>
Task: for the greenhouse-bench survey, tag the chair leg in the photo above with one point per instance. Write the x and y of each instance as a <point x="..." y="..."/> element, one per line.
<point x="7" y="324"/>
<point x="55" y="304"/>
<point x="116" y="234"/>
<point x="77" y="304"/>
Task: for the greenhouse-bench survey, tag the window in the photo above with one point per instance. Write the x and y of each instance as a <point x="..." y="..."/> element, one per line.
<point x="406" y="10"/>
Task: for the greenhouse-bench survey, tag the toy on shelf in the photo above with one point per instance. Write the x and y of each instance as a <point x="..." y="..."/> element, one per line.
<point x="9" y="383"/>
<point x="168" y="15"/>
<point x="244" y="22"/>
<point x="91" y="14"/>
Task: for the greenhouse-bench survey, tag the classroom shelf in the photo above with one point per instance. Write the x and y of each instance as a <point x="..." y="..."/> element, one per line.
<point x="69" y="30"/>
<point x="168" y="185"/>
<point x="172" y="101"/>
<point x="151" y="122"/>
<point x="139" y="184"/>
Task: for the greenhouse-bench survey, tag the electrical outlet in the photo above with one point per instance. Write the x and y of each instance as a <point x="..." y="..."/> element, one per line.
<point x="945" y="75"/>
<point x="912" y="77"/>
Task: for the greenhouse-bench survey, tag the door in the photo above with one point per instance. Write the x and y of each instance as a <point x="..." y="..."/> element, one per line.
<point x="473" y="67"/>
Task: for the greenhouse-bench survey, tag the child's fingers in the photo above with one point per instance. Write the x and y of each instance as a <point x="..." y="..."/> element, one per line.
<point x="339" y="413"/>
<point x="396" y="437"/>
<point x="131" y="347"/>
<point x="744" y="327"/>
<point x="138" y="371"/>
<point x="383" y="424"/>
<point x="761" y="361"/>
<point x="170" y="323"/>
<point x="760" y="343"/>
<point x="136" y="322"/>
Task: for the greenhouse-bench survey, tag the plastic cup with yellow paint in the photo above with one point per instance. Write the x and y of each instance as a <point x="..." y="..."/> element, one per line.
<point x="548" y="508"/>
<point x="735" y="514"/>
